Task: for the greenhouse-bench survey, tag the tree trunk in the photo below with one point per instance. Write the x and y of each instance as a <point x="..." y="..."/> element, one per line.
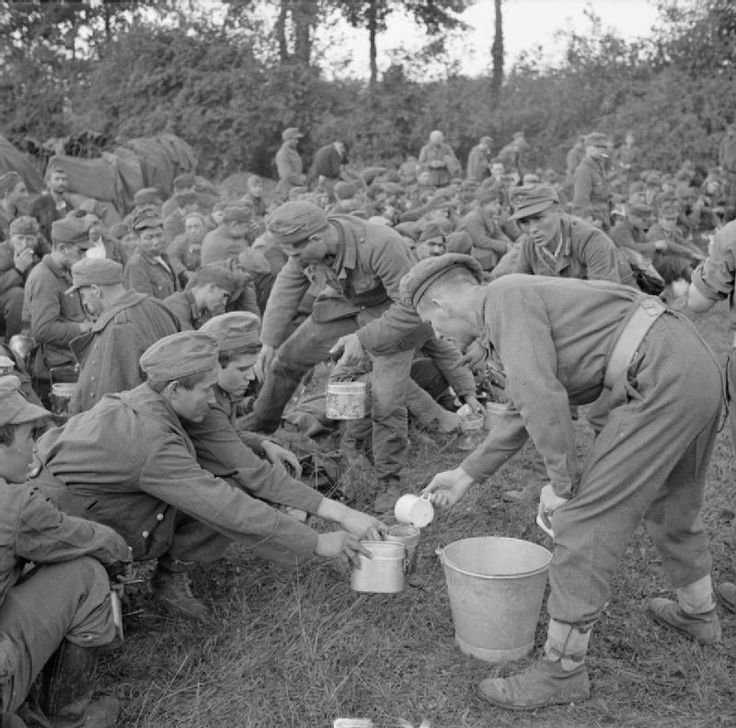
<point x="372" y="32"/>
<point x="497" y="55"/>
<point x="304" y="17"/>
<point x="280" y="31"/>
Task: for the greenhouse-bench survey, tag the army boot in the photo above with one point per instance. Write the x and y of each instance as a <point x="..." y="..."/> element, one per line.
<point x="389" y="491"/>
<point x="693" y="614"/>
<point x="66" y="681"/>
<point x="559" y="678"/>
<point x="171" y="587"/>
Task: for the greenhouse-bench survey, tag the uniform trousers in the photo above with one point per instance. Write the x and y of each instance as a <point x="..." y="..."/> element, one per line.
<point x="51" y="603"/>
<point x="649" y="462"/>
<point x="390" y="380"/>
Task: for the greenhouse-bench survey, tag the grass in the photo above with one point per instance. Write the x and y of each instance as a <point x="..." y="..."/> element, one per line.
<point x="301" y="649"/>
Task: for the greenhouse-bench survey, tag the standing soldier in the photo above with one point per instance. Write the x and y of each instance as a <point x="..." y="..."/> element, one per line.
<point x="289" y="163"/>
<point x="592" y="195"/>
<point x="658" y="394"/>
<point x="479" y="160"/>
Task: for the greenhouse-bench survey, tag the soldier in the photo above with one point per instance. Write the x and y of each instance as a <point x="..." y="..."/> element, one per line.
<point x="129" y="463"/>
<point x="556" y="244"/>
<point x="658" y="395"/>
<point x="56" y="316"/>
<point x="438" y="159"/>
<point x="592" y="195"/>
<point x="13" y="198"/>
<point x="18" y="256"/>
<point x="148" y="270"/>
<point x="126" y="324"/>
<point x="52" y="616"/>
<point x="289" y="163"/>
<point x="479" y="160"/>
<point x="206" y="295"/>
<point x="359" y="265"/>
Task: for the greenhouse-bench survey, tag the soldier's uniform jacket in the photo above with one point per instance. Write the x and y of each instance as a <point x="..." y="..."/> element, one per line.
<point x="485" y="232"/>
<point x="222" y="451"/>
<point x="554" y="340"/>
<point x="364" y="278"/>
<point x="182" y="305"/>
<point x="34" y="530"/>
<point x="592" y="196"/>
<point x="583" y="251"/>
<point x="146" y="274"/>
<point x="109" y="353"/>
<point x="129" y="463"/>
<point x="54" y="314"/>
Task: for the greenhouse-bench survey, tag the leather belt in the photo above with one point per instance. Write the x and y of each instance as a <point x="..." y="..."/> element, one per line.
<point x="637" y="327"/>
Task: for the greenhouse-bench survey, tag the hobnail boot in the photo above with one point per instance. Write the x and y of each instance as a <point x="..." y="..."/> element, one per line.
<point x="173" y="590"/>
<point x="543" y="684"/>
<point x="704" y="628"/>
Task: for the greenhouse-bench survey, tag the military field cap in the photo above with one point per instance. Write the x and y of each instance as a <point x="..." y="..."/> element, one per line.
<point x="291" y="133"/>
<point x="215" y="274"/>
<point x="24" y="225"/>
<point x="637" y="206"/>
<point x="145" y="219"/>
<point x="8" y="181"/>
<point x="187" y="197"/>
<point x="147" y="196"/>
<point x="418" y="280"/>
<point x="433" y="231"/>
<point x="486" y="140"/>
<point x="72" y="231"/>
<point x="183" y="181"/>
<point x="15" y="409"/>
<point x="97" y="272"/>
<point x="293" y="222"/>
<point x="596" y="139"/>
<point x="237" y="213"/>
<point x="531" y="200"/>
<point x="179" y="355"/>
<point x="653" y="179"/>
<point x="236" y="332"/>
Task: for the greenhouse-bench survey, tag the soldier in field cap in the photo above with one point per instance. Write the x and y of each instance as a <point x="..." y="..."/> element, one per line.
<point x="592" y="195"/>
<point x="658" y="396"/>
<point x="126" y="324"/>
<point x="288" y="163"/>
<point x="149" y="270"/>
<point x="129" y="463"/>
<point x="560" y="245"/>
<point x="359" y="264"/>
<point x="57" y="317"/>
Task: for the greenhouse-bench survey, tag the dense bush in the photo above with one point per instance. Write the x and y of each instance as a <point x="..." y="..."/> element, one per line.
<point x="219" y="91"/>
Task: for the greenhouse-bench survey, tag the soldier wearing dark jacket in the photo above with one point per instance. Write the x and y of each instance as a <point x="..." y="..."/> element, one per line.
<point x="57" y="316"/>
<point x="592" y="195"/>
<point x="148" y="270"/>
<point x="127" y="324"/>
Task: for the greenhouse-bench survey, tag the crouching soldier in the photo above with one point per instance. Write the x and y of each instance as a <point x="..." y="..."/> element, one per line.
<point x="53" y="617"/>
<point x="129" y="463"/>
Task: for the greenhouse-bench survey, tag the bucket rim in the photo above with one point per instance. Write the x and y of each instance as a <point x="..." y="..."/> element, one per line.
<point x="345" y="387"/>
<point x="518" y="575"/>
<point x="391" y="549"/>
